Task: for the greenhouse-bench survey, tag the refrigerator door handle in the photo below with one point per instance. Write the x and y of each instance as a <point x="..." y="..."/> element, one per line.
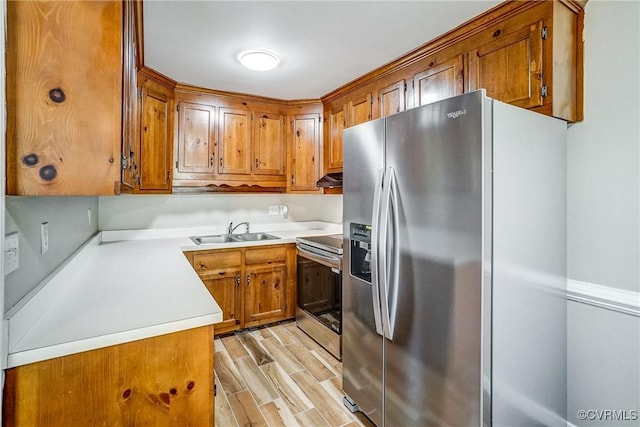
<point x="394" y="276"/>
<point x="389" y="273"/>
<point x="375" y="252"/>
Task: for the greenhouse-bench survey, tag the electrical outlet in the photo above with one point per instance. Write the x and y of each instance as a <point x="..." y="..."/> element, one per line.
<point x="89" y="216"/>
<point x="274" y="210"/>
<point x="44" y="237"/>
<point x="11" y="252"/>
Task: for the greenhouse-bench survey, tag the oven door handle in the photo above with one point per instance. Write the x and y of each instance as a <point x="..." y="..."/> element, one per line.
<point x="329" y="261"/>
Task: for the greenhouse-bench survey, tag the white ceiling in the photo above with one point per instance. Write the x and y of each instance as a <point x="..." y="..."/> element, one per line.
<point x="322" y="44"/>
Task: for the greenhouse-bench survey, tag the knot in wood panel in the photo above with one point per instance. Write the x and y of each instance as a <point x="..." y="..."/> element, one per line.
<point x="48" y="173"/>
<point x="30" y="159"/>
<point x="57" y="95"/>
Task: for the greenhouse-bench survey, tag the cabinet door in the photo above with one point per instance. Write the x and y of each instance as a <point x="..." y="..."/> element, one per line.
<point x="269" y="145"/>
<point x="265" y="294"/>
<point x="333" y="151"/>
<point x="305" y="152"/>
<point x="155" y="154"/>
<point x="64" y="97"/>
<point x="196" y="138"/>
<point x="359" y="110"/>
<point x="510" y="68"/>
<point x="391" y="99"/>
<point x="440" y="81"/>
<point x="224" y="287"/>
<point x="234" y="151"/>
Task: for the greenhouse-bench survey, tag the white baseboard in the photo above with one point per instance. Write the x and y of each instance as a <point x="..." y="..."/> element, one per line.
<point x="620" y="300"/>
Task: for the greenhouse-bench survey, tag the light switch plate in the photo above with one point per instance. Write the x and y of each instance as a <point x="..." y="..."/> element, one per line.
<point x="11" y="252"/>
<point x="44" y="237"/>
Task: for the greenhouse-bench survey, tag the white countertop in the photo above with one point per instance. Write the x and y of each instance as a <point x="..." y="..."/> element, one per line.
<point x="124" y="286"/>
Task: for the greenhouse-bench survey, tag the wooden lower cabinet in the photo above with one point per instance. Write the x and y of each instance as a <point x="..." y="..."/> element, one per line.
<point x="253" y="286"/>
<point x="265" y="295"/>
<point x="224" y="286"/>
<point x="160" y="381"/>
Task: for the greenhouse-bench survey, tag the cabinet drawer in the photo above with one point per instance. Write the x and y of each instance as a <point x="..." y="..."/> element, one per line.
<point x="266" y="255"/>
<point x="202" y="262"/>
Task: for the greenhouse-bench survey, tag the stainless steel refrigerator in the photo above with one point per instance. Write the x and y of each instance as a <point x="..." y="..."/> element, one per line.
<point x="454" y="309"/>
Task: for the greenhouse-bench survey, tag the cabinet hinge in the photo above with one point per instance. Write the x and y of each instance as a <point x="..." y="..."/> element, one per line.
<point x="139" y="92"/>
<point x="178" y="107"/>
<point x="543" y="91"/>
<point x="215" y="390"/>
<point x="176" y="164"/>
<point x="543" y="34"/>
<point x="405" y="86"/>
<point x="123" y="162"/>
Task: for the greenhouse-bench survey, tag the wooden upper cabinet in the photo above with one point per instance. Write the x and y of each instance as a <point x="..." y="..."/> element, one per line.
<point x="533" y="60"/>
<point x="439" y="81"/>
<point x="526" y="53"/>
<point x="305" y="152"/>
<point x="359" y="110"/>
<point x="196" y="138"/>
<point x="510" y="67"/>
<point x="64" y="97"/>
<point x="336" y="122"/>
<point x="269" y="144"/>
<point x="391" y="98"/>
<point x="155" y="142"/>
<point x="234" y="141"/>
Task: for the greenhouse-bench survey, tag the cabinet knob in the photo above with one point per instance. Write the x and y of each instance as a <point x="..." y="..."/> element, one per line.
<point x="497" y="33"/>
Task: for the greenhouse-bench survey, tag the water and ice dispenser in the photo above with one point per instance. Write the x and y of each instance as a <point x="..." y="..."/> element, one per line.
<point x="360" y="262"/>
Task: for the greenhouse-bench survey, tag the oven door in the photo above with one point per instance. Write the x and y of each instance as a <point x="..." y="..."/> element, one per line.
<point x="320" y="287"/>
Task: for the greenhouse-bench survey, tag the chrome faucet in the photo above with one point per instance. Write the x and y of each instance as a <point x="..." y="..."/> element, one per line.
<point x="231" y="228"/>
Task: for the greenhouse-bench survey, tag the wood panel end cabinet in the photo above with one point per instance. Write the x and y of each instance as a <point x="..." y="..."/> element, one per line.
<point x="161" y="381"/>
<point x="64" y="129"/>
<point x="253" y="285"/>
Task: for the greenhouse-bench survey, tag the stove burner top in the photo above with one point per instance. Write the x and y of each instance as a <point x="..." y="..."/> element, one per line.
<point x="331" y="243"/>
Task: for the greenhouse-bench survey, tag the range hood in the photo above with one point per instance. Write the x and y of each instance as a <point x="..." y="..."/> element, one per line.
<point x="330" y="180"/>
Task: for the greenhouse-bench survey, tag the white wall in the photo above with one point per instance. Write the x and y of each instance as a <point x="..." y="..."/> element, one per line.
<point x="207" y="210"/>
<point x="604" y="215"/>
<point x="68" y="229"/>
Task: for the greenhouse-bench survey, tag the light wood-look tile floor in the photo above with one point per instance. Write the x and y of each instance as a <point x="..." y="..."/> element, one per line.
<point x="278" y="376"/>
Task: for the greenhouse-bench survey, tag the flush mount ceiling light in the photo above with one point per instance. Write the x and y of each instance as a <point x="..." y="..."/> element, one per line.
<point x="259" y="60"/>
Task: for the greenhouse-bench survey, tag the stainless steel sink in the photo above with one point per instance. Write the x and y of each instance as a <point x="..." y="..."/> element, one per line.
<point x="232" y="238"/>
<point x="252" y="237"/>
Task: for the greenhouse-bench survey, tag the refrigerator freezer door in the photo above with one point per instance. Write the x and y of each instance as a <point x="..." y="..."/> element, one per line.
<point x="433" y="373"/>
<point x="362" y="345"/>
